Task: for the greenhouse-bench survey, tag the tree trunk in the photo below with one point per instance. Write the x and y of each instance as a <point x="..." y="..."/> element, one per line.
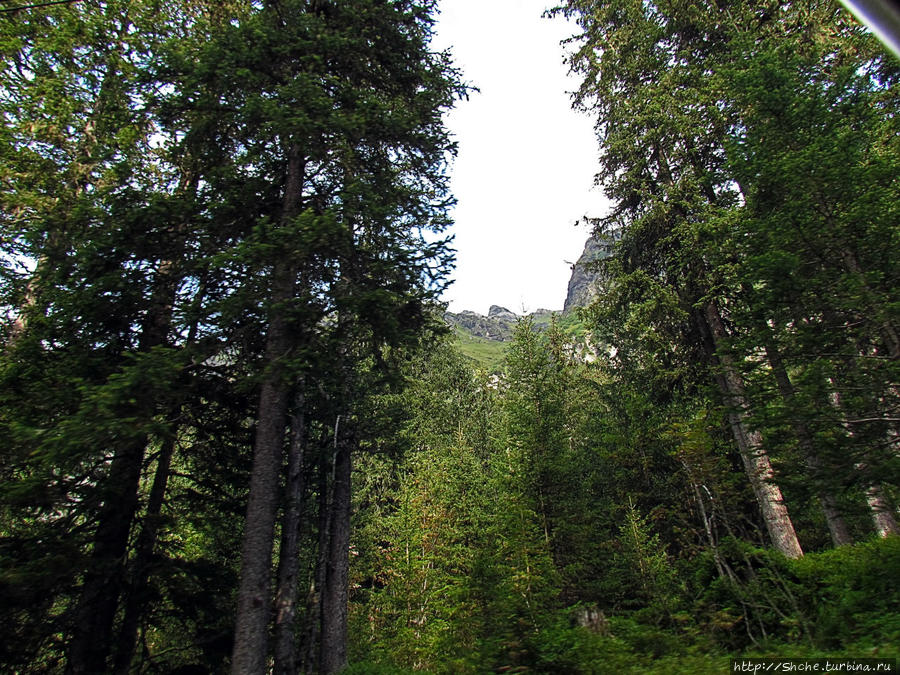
<point x="882" y="514"/>
<point x="750" y="443"/>
<point x="311" y="631"/>
<point x="837" y="526"/>
<point x="707" y="520"/>
<point x="289" y="560"/>
<point x="136" y="598"/>
<point x="333" y="656"/>
<point x="883" y="517"/>
<point x="92" y="634"/>
<point x="250" y="652"/>
<point x="253" y="605"/>
<point x="91" y="642"/>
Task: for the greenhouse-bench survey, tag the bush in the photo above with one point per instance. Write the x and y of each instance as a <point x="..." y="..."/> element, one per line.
<point x="829" y="600"/>
<point x="853" y="593"/>
<point x="372" y="668"/>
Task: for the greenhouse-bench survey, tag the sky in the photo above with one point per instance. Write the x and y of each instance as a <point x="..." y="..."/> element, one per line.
<point x="524" y="174"/>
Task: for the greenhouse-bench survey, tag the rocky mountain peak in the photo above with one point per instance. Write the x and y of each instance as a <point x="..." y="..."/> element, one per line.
<point x="498" y="312"/>
<point x="500" y="322"/>
<point x="497" y="325"/>
<point x="584" y="284"/>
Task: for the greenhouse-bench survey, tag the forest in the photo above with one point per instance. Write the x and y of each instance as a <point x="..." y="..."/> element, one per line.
<point x="239" y="437"/>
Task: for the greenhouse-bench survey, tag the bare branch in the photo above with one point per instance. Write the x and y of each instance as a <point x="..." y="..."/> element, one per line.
<point x="35" y="6"/>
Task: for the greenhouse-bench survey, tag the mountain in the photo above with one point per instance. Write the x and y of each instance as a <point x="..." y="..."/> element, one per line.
<point x="483" y="338"/>
<point x="498" y="325"/>
<point x="586" y="278"/>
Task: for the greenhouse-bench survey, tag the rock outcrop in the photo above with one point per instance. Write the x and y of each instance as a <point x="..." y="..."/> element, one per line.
<point x="586" y="278"/>
<point x="498" y="325"/>
<point x="501" y="313"/>
<point x="500" y="322"/>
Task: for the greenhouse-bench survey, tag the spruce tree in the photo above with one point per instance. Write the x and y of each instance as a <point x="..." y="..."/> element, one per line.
<point x="662" y="135"/>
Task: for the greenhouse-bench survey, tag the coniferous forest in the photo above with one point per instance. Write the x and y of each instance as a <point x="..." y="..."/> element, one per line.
<point x="238" y="436"/>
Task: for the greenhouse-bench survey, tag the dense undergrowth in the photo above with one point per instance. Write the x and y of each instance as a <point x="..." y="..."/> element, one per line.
<point x="839" y="603"/>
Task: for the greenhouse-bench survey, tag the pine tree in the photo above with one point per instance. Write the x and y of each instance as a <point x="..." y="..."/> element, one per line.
<point x="356" y="182"/>
<point x="100" y="213"/>
<point x="662" y="135"/>
<point x="813" y="163"/>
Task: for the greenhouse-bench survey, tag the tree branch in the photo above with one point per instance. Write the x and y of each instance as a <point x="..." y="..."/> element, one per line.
<point x="35" y="6"/>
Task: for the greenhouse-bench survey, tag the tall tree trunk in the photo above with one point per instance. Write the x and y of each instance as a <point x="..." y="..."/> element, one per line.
<point x="91" y="643"/>
<point x="883" y="517"/>
<point x="335" y="594"/>
<point x="313" y="620"/>
<point x="289" y="560"/>
<point x="249" y="656"/>
<point x="91" y="640"/>
<point x="750" y="443"/>
<point x="158" y="323"/>
<point x="136" y="596"/>
<point x="250" y="652"/>
<point x="837" y="526"/>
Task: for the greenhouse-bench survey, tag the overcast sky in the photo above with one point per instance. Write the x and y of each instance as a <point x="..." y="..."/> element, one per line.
<point x="526" y="162"/>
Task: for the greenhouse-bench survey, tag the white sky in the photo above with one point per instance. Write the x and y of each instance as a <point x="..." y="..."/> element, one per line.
<point x="524" y="173"/>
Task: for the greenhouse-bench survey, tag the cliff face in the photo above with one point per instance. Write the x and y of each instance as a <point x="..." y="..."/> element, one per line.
<point x="585" y="280"/>
<point x="499" y="323"/>
<point x="483" y="338"/>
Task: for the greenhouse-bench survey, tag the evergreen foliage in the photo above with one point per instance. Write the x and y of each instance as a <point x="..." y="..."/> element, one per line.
<point x="222" y="230"/>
